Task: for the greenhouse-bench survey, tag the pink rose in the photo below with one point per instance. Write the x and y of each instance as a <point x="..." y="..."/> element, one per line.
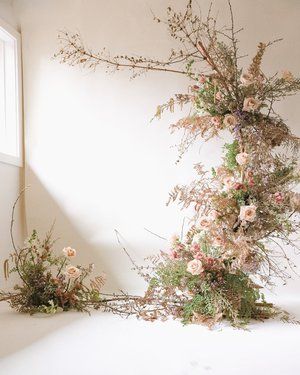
<point x="229" y="120"/>
<point x="195" y="267"/>
<point x="219" y="96"/>
<point x="228" y="182"/>
<point x="69" y="252"/>
<point x="216" y="121"/>
<point x="246" y="79"/>
<point x="72" y="272"/>
<point x="242" y="158"/>
<point x="248" y="213"/>
<point x="278" y="197"/>
<point x="251" y="104"/>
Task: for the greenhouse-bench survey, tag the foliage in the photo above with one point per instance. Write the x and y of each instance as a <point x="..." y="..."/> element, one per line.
<point x="232" y="149"/>
<point x="209" y="295"/>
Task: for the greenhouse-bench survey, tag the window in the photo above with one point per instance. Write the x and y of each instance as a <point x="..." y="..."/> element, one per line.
<point x="10" y="96"/>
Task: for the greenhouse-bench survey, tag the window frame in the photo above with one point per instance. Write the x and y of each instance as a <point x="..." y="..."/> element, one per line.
<point x="7" y="158"/>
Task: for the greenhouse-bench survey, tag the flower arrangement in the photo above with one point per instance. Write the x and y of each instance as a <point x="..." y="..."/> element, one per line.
<point x="49" y="282"/>
<point x="246" y="209"/>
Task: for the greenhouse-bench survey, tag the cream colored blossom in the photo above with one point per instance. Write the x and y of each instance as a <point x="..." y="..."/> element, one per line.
<point x="204" y="223"/>
<point x="72" y="272"/>
<point x="218" y="241"/>
<point x="251" y="104"/>
<point x="230" y="120"/>
<point x="221" y="172"/>
<point x="246" y="79"/>
<point x="69" y="252"/>
<point x="248" y="213"/>
<point x="242" y="158"/>
<point x="195" y="267"/>
<point x="228" y="182"/>
<point x="287" y="75"/>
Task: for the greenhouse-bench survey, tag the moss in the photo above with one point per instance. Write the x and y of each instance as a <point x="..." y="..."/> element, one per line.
<point x="231" y="151"/>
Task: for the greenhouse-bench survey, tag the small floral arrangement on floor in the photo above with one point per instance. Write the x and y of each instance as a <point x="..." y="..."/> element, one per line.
<point x="50" y="282"/>
<point x="246" y="210"/>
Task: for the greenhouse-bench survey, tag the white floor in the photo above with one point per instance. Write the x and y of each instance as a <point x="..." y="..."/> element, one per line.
<point x="78" y="344"/>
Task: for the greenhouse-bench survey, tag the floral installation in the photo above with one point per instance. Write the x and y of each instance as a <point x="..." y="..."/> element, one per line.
<point x="246" y="209"/>
<point x="50" y="282"/>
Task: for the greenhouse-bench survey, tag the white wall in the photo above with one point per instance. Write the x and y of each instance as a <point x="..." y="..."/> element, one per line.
<point x="11" y="177"/>
<point x="94" y="162"/>
<point x="7" y="13"/>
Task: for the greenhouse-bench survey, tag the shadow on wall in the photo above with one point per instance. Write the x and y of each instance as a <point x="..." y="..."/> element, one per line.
<point x="68" y="234"/>
<point x="20" y="330"/>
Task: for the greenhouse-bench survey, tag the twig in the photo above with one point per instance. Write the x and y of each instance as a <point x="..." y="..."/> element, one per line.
<point x="157" y="235"/>
<point x="13" y="215"/>
<point x="124" y="249"/>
